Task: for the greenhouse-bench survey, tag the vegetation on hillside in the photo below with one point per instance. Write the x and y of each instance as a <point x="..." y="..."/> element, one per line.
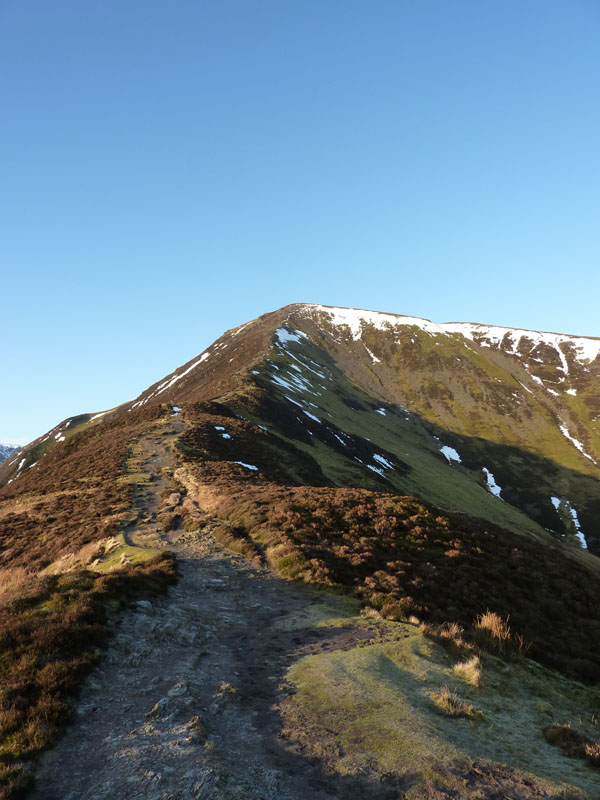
<point x="51" y="625"/>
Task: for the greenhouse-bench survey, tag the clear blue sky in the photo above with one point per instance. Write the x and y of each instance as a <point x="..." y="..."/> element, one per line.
<point x="172" y="169"/>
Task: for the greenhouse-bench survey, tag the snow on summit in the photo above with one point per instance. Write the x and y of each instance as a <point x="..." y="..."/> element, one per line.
<point x="585" y="349"/>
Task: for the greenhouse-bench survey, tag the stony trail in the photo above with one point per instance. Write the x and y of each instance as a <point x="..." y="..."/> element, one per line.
<point x="182" y="703"/>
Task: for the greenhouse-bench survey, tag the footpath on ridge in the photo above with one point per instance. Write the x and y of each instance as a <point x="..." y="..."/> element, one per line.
<point x="182" y="702"/>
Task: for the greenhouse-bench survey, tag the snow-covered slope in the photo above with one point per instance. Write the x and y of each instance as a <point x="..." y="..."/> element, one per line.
<point x="516" y="341"/>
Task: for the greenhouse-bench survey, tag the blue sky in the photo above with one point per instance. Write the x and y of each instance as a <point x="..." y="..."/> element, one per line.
<point x="173" y="169"/>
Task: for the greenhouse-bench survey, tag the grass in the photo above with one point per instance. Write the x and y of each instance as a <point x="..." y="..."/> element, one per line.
<point x="405" y="558"/>
<point x="469" y="671"/>
<point x="451" y="704"/>
<point x="378" y="706"/>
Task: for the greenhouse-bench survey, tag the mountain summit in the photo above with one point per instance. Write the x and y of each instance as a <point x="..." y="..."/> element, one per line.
<point x="459" y="405"/>
<point x="437" y="485"/>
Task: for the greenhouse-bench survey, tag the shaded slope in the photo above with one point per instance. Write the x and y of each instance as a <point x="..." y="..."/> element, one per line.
<point x="398" y="552"/>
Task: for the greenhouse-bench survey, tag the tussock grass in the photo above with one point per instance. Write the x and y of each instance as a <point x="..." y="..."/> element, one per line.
<point x="450" y="704"/>
<point x="469" y="671"/>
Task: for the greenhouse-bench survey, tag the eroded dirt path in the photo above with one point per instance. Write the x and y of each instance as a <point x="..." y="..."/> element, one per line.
<point x="181" y="705"/>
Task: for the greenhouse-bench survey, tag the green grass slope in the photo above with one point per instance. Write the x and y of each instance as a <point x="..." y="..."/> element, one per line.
<point x="298" y="392"/>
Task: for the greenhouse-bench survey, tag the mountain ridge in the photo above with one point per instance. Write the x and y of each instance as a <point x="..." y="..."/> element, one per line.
<point x="421" y="478"/>
<point x="487" y="401"/>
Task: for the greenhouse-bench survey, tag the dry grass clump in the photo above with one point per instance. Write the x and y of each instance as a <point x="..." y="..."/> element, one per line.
<point x="469" y="671"/>
<point x="14" y="582"/>
<point x="450" y="704"/>
<point x="450" y="635"/>
<point x="492" y="633"/>
<point x="573" y="742"/>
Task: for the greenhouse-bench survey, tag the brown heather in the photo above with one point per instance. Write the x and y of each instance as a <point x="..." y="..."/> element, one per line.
<point x="403" y="556"/>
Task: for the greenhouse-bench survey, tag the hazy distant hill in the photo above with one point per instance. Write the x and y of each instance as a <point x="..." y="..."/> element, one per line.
<point x="6" y="451"/>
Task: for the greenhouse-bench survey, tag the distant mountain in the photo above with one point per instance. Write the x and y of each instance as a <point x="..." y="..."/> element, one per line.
<point x="7" y="450"/>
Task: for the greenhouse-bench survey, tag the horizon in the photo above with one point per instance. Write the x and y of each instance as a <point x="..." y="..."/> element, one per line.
<point x="23" y="442"/>
<point x="174" y="173"/>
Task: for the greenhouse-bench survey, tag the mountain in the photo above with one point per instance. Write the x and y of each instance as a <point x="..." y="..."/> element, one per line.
<point x="466" y="413"/>
<point x="6" y="451"/>
<point x="418" y="504"/>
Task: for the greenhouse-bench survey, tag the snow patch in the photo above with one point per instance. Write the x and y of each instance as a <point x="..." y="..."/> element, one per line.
<point x="491" y="482"/>
<point x="167" y="385"/>
<point x="450" y="454"/>
<point x="557" y="502"/>
<point x="312" y="416"/>
<point x="248" y="466"/>
<point x="380" y="411"/>
<point x="375" y="469"/>
<point x="565" y="432"/>
<point x="289" y="336"/>
<point x="373" y="356"/>
<point x="383" y="461"/>
<point x="571" y="392"/>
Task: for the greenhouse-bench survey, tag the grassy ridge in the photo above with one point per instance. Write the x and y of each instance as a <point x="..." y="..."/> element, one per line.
<point x="405" y="557"/>
<point x="54" y="520"/>
<point x="397" y="553"/>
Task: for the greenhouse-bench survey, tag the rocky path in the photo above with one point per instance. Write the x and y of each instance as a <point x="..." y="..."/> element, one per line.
<point x="182" y="704"/>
